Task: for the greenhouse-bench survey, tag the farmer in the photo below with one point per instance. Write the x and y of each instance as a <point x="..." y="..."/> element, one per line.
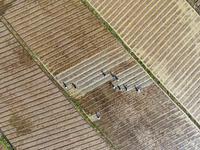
<point x="115" y="77"/>
<point x="104" y="74"/>
<point x="74" y="85"/>
<point x="65" y="85"/>
<point x="138" y="90"/>
<point x="112" y="85"/>
<point x="126" y="88"/>
<point x="98" y="116"/>
<point x="119" y="88"/>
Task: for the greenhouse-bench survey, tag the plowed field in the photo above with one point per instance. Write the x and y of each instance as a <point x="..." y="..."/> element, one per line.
<point x="33" y="112"/>
<point x="165" y="36"/>
<point x="76" y="48"/>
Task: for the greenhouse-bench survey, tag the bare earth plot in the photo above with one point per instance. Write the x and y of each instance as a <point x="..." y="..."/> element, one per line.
<point x="75" y="47"/>
<point x="165" y="36"/>
<point x="33" y="112"/>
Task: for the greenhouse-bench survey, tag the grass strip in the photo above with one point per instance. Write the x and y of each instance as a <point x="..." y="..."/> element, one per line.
<point x="5" y="142"/>
<point x="141" y="63"/>
<point x="50" y="76"/>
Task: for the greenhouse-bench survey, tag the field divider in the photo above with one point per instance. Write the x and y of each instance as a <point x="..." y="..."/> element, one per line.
<point x="51" y="77"/>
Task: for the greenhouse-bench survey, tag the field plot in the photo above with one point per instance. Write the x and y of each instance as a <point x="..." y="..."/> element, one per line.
<point x="76" y="48"/>
<point x="165" y="36"/>
<point x="33" y="112"/>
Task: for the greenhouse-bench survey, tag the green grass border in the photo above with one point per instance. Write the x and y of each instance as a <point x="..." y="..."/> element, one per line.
<point x="50" y="76"/>
<point x="141" y="63"/>
<point x="5" y="142"/>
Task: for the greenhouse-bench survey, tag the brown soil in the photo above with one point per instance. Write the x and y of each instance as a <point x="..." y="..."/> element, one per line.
<point x="122" y="67"/>
<point x="23" y="56"/>
<point x="119" y="109"/>
<point x="21" y="124"/>
<point x="96" y="48"/>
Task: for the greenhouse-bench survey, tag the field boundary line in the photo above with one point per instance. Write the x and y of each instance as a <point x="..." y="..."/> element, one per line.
<point x="193" y="6"/>
<point x="155" y="79"/>
<point x="51" y="77"/>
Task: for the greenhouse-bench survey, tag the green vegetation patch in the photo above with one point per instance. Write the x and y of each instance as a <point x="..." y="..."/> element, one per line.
<point x="5" y="142"/>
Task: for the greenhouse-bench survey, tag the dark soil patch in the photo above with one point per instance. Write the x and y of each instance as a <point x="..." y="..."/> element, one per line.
<point x="24" y="57"/>
<point x="21" y="124"/>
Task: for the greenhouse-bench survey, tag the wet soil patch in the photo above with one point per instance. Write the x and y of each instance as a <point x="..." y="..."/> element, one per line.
<point x="21" y="124"/>
<point x="24" y="57"/>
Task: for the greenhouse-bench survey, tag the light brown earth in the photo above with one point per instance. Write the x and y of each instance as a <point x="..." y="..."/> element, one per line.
<point x="75" y="47"/>
<point x="165" y="36"/>
<point x="34" y="114"/>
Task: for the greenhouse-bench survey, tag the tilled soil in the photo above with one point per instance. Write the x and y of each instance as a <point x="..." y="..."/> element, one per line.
<point x="76" y="48"/>
<point x="165" y="36"/>
<point x="34" y="114"/>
